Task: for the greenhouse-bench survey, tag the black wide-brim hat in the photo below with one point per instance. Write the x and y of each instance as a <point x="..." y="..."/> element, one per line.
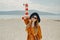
<point x="35" y="14"/>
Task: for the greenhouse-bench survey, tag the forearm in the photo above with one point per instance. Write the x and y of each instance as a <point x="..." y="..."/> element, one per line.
<point x="26" y="19"/>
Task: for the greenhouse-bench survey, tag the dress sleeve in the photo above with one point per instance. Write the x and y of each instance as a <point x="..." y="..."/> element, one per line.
<point x="26" y="21"/>
<point x="39" y="34"/>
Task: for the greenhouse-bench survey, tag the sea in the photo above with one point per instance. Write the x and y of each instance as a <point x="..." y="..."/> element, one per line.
<point x="55" y="17"/>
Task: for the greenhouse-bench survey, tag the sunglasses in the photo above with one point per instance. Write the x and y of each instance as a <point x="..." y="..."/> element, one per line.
<point x="34" y="17"/>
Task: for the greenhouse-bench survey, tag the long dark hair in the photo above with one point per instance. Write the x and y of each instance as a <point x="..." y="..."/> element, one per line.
<point x="36" y="22"/>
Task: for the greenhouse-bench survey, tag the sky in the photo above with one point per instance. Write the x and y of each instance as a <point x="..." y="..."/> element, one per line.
<point x="52" y="6"/>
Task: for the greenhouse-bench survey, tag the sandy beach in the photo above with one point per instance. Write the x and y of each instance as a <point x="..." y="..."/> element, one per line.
<point x="14" y="29"/>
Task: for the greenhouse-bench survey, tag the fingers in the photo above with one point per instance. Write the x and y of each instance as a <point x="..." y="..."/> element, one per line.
<point x="25" y="17"/>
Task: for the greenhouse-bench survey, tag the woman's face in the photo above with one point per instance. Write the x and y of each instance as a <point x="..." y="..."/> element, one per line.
<point x="34" y="18"/>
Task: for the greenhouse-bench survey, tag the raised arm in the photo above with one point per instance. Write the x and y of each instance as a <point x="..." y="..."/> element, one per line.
<point x="26" y="19"/>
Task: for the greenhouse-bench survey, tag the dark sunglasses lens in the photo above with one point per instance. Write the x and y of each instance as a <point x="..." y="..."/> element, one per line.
<point x="35" y="18"/>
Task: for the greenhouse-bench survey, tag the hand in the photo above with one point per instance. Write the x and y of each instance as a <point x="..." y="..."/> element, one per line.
<point x="34" y="20"/>
<point x="26" y="16"/>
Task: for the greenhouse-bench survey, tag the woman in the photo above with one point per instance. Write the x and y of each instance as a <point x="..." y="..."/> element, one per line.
<point x="32" y="27"/>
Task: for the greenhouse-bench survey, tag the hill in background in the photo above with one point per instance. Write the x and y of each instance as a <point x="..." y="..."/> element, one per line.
<point x="22" y="12"/>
